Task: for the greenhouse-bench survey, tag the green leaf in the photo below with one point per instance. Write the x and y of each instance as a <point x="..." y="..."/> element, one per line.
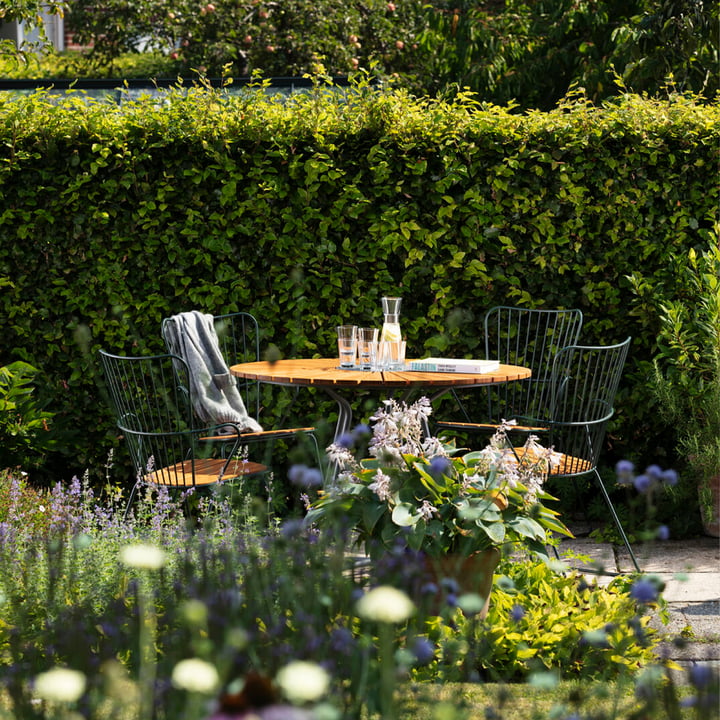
<point x="405" y="515"/>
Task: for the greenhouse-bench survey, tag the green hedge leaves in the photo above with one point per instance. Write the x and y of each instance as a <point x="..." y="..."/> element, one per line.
<point x="306" y="210"/>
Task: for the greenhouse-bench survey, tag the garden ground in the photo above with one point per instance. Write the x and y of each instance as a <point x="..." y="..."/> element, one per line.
<point x="690" y="569"/>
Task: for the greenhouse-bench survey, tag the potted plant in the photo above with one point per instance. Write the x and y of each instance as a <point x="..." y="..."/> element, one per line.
<point x="687" y="371"/>
<point x="418" y="491"/>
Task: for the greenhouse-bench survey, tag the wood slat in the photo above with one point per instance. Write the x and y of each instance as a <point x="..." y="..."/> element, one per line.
<point x="207" y="472"/>
<point x="264" y="435"/>
<point x="482" y="427"/>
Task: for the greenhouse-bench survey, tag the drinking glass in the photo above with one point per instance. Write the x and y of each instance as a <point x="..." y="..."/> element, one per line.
<point x="367" y="347"/>
<point x="347" y="345"/>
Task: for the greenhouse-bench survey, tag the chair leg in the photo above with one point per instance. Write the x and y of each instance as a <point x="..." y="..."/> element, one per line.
<point x="130" y="499"/>
<point x="616" y="519"/>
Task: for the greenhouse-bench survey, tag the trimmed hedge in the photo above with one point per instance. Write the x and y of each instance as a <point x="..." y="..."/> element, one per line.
<point x="305" y="211"/>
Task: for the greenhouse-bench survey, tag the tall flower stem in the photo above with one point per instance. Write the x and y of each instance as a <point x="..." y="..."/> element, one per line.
<point x="388" y="711"/>
<point x="146" y="641"/>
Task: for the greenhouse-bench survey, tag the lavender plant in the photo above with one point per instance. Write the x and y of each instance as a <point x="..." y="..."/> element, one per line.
<point x="225" y="617"/>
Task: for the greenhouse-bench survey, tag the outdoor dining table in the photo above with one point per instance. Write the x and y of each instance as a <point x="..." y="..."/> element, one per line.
<point x="324" y="373"/>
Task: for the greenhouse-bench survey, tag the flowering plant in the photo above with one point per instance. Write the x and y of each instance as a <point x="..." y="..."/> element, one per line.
<point x="416" y="489"/>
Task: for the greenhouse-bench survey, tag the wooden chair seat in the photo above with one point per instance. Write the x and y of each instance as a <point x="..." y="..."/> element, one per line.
<point x="568" y="465"/>
<point x="207" y="472"/>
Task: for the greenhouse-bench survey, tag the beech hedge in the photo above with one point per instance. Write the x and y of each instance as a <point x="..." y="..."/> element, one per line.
<point x="306" y="210"/>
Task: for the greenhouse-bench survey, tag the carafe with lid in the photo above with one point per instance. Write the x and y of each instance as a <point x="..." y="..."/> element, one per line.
<point x="391" y="325"/>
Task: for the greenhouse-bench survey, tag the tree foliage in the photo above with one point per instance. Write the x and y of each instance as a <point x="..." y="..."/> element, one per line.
<point x="526" y="52"/>
<point x="30" y="13"/>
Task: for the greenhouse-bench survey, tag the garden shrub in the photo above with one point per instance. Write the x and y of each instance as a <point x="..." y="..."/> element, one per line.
<point x="25" y="433"/>
<point x="131" y="599"/>
<point x="305" y="211"/>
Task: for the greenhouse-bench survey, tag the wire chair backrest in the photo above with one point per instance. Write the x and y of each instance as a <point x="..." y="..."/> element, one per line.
<point x="531" y="338"/>
<point x="239" y="337"/>
<point x="151" y="401"/>
<point x="585" y="380"/>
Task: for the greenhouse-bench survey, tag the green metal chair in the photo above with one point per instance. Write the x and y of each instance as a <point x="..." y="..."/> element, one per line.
<point x="518" y="336"/>
<point x="151" y="400"/>
<point x="583" y="386"/>
<point x="239" y="340"/>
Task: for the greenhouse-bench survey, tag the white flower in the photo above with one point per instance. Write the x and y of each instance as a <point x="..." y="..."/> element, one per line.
<point x="426" y="510"/>
<point x="142" y="555"/>
<point x="196" y="675"/>
<point x="381" y="486"/>
<point x="385" y="604"/>
<point x="303" y="682"/>
<point x="60" y="685"/>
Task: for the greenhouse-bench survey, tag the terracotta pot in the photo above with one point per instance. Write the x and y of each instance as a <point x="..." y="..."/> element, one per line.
<point x="472" y="573"/>
<point x="711" y="525"/>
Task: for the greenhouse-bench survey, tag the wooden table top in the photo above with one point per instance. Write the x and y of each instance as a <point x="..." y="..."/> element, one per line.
<point x="324" y="372"/>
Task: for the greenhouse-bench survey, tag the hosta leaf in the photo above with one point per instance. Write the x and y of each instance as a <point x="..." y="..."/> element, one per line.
<point x="405" y="515"/>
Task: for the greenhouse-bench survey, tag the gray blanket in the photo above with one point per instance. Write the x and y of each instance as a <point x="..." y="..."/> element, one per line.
<point x="215" y="395"/>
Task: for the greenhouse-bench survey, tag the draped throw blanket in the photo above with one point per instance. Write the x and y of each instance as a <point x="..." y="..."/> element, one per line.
<point x="215" y="395"/>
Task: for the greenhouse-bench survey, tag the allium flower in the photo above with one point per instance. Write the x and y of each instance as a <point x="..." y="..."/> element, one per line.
<point x="346" y="440"/>
<point x="700" y="675"/>
<point x="304" y="476"/>
<point x="663" y="533"/>
<point x="385" y="604"/>
<point x="143" y="556"/>
<point x="60" y="685"/>
<point x="303" y="682"/>
<point x="643" y="483"/>
<point x="624" y="470"/>
<point x="439" y="465"/>
<point x="644" y="590"/>
<point x="361" y="429"/>
<point x="423" y="650"/>
<point x="195" y="675"/>
<point x="517" y="613"/>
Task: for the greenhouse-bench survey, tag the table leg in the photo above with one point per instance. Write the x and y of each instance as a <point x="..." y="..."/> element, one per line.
<point x="342" y="426"/>
<point x="345" y="414"/>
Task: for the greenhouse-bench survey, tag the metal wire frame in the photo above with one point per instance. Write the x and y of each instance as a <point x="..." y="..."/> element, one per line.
<point x="151" y="399"/>
<point x="520" y="336"/>
<point x="584" y="384"/>
<point x="239" y="338"/>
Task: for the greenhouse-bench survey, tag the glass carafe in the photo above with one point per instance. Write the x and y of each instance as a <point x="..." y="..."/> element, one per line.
<point x="391" y="323"/>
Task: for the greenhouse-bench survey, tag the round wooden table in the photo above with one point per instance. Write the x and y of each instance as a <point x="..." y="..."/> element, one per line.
<point x="325" y="373"/>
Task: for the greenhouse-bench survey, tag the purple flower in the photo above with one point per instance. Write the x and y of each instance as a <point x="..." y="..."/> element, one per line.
<point x="654" y="472"/>
<point x="670" y="477"/>
<point x="663" y="532"/>
<point x="624" y="470"/>
<point x="642" y="483"/>
<point x="423" y="650"/>
<point x="439" y="465"/>
<point x="361" y="429"/>
<point x="700" y="675"/>
<point x="304" y="476"/>
<point x="296" y="473"/>
<point x="644" y="591"/>
<point x="346" y="440"/>
<point x="342" y="640"/>
<point x="517" y="613"/>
